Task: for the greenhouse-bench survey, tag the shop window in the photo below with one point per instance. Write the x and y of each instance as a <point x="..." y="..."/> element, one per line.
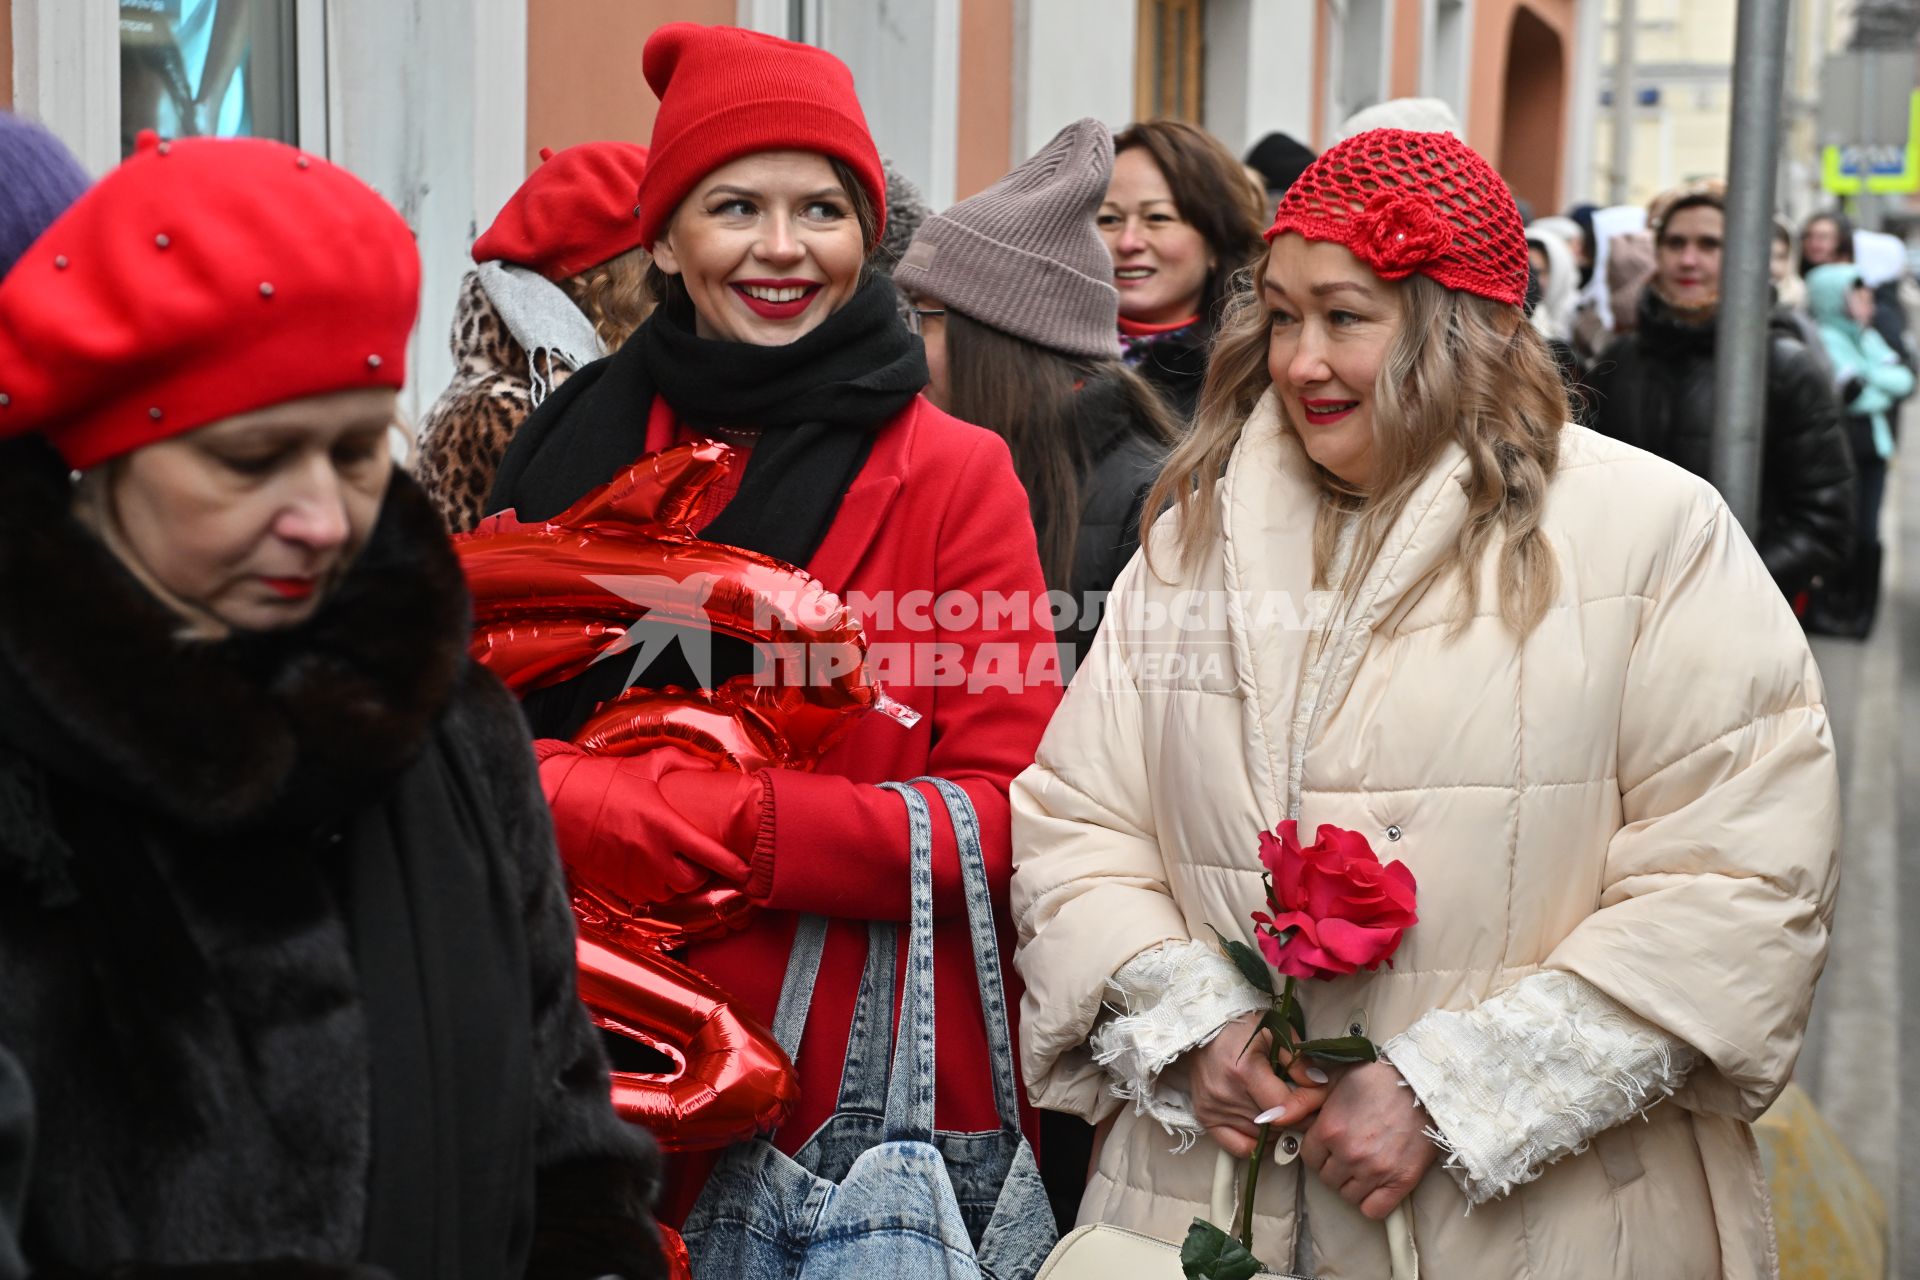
<point x="1169" y="60"/>
<point x="208" y="68"/>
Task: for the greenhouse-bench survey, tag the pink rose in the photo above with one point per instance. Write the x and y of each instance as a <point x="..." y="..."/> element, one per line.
<point x="1399" y="232"/>
<point x="1346" y="911"/>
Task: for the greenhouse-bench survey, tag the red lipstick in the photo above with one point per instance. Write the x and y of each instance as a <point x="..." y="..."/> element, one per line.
<point x="772" y="309"/>
<point x="291" y="588"/>
<point x="1322" y="412"/>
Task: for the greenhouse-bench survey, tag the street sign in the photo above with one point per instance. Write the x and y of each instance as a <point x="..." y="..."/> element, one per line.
<point x="1891" y="168"/>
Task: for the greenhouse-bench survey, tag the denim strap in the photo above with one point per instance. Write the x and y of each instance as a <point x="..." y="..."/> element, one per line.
<point x="863" y="1076"/>
<point x="986" y="949"/>
<point x="909" y="1114"/>
<point x="796" y="991"/>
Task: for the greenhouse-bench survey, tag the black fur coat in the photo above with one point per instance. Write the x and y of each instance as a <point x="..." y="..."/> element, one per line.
<point x="188" y="833"/>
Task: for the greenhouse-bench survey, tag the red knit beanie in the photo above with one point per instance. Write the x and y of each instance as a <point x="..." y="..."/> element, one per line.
<point x="573" y="212"/>
<point x="1403" y="202"/>
<point x="202" y="279"/>
<point x="726" y="93"/>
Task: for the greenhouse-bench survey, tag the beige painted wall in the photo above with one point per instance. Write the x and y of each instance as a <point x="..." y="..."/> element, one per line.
<point x="985" y="124"/>
<point x="583" y="67"/>
<point x="1686" y="135"/>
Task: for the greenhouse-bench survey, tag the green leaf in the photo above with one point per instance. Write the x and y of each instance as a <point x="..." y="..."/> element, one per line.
<point x="1342" y="1049"/>
<point x="1208" y="1253"/>
<point x="1298" y="1018"/>
<point x="1248" y="961"/>
<point x="1282" y="1033"/>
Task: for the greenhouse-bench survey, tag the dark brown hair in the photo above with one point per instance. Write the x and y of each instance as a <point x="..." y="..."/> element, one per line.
<point x="1031" y="396"/>
<point x="663" y="288"/>
<point x="1210" y="189"/>
<point x="1843" y="236"/>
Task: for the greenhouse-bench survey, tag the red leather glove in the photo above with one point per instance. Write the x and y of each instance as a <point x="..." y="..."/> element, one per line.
<point x="619" y="831"/>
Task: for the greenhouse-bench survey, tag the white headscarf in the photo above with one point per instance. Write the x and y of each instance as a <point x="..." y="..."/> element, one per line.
<point x="1554" y="316"/>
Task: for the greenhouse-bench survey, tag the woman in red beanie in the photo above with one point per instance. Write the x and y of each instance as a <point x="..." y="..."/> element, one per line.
<point x="1545" y="673"/>
<point x="559" y="281"/>
<point x="287" y="951"/>
<point x="762" y="197"/>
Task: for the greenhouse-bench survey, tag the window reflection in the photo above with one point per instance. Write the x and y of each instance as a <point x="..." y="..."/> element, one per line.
<point x="217" y="68"/>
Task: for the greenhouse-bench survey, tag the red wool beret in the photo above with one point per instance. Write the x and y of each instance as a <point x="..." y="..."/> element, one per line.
<point x="579" y="208"/>
<point x="202" y="279"/>
<point x="726" y="93"/>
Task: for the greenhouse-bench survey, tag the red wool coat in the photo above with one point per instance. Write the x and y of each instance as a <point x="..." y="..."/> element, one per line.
<point x="936" y="509"/>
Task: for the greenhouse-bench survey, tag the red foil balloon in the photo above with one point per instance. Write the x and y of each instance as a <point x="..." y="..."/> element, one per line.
<point x="731" y="1080"/>
<point x="552" y="599"/>
<point x="679" y="1263"/>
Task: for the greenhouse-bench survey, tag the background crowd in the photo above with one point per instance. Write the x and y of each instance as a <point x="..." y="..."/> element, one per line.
<point x="973" y="400"/>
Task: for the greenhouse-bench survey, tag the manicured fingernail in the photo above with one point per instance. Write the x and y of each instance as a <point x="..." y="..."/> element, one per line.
<point x="1316" y="1075"/>
<point x="1271" y="1114"/>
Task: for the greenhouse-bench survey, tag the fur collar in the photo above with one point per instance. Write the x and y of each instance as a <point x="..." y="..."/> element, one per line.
<point x="288" y="727"/>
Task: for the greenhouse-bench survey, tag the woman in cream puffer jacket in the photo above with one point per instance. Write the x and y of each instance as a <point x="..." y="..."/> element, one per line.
<point x="1612" y="778"/>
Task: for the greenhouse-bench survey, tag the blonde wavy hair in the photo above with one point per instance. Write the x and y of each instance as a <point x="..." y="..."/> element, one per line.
<point x="613" y="295"/>
<point x="1460" y="368"/>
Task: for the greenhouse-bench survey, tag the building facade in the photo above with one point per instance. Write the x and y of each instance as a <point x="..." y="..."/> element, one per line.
<point x="443" y="105"/>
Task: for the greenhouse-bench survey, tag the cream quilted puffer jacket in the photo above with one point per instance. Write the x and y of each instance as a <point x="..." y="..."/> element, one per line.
<point x="1641" y="793"/>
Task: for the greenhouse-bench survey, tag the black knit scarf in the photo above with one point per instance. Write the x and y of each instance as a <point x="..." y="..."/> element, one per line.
<point x="818" y="402"/>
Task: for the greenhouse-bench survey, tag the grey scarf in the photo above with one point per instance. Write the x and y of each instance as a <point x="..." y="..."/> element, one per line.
<point x="543" y="320"/>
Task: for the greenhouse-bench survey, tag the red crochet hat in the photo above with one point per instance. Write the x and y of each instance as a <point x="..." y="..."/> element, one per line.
<point x="1404" y="202"/>
<point x="202" y="279"/>
<point x="726" y="93"/>
<point x="575" y="211"/>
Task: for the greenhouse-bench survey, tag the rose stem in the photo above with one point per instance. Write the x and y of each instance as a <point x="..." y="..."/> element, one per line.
<point x="1259" y="1158"/>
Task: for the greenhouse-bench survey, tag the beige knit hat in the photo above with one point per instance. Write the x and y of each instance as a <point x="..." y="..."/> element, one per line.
<point x="1024" y="256"/>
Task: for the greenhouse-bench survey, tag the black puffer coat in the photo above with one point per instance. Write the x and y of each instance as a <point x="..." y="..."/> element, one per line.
<point x="286" y="951"/>
<point x="1124" y="458"/>
<point x="16" y="1148"/>
<point x="1654" y="389"/>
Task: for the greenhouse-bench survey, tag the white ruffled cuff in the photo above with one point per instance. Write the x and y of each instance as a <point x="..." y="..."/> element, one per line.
<point x="1166" y="1001"/>
<point x="1531" y="1075"/>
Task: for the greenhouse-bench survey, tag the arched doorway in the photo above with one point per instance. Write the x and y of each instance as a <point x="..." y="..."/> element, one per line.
<point x="1533" y="116"/>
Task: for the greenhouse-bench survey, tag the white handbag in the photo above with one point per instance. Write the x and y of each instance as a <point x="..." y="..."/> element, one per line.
<point x="1103" y="1252"/>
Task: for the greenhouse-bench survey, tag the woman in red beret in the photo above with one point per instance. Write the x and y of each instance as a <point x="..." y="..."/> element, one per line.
<point x="559" y="281"/>
<point x="762" y="197"/>
<point x="287" y="952"/>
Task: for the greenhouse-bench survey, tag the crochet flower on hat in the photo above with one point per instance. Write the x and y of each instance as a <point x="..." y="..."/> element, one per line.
<point x="1398" y="232"/>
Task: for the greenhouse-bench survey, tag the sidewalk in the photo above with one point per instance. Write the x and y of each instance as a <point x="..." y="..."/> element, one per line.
<point x="1867" y="1008"/>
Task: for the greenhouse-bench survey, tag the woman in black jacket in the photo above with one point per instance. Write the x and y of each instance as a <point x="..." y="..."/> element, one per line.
<point x="1654" y="388"/>
<point x="1012" y="296"/>
<point x="287" y="952"/>
<point x="1179" y="226"/>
